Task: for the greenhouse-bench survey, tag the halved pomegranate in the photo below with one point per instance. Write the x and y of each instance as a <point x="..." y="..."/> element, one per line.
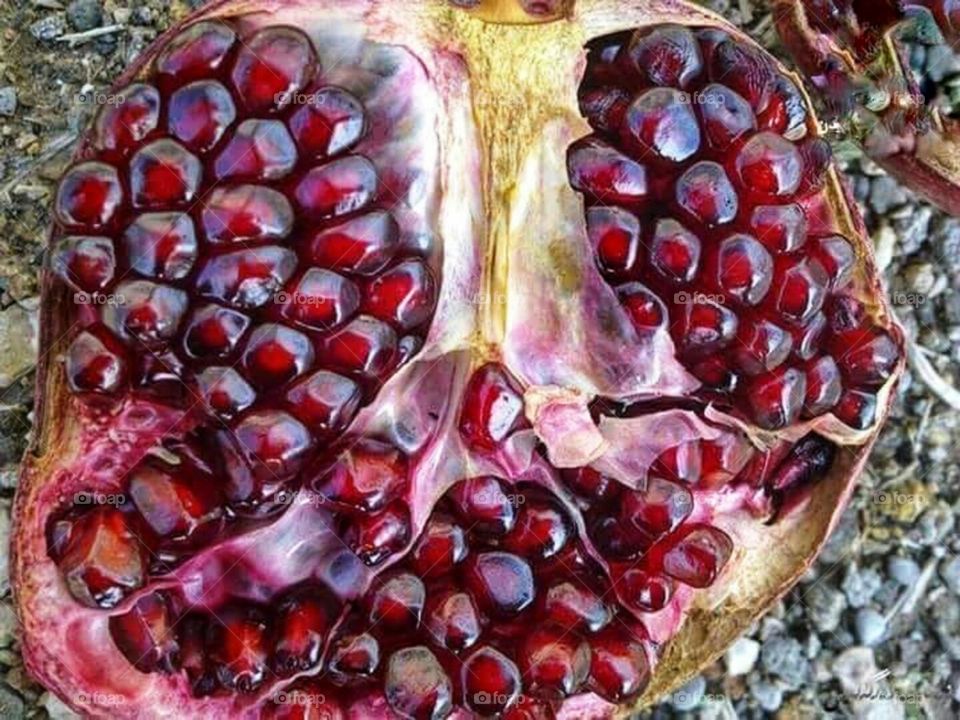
<point x="401" y="369"/>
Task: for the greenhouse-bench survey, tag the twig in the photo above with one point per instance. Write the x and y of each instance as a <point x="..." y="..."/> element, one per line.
<point x="933" y="380"/>
<point x="82" y="37"/>
<point x="56" y="145"/>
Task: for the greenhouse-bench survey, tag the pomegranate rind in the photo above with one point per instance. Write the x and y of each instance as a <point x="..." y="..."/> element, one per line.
<point x="66" y="647"/>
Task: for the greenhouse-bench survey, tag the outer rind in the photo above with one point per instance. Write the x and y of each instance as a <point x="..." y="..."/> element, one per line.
<point x="713" y="624"/>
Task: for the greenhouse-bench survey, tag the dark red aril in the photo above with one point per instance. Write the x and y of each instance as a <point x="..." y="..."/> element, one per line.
<point x="258" y="150"/>
<point x="340" y="187"/>
<point x="492" y="408"/>
<point x="238" y="648"/>
<point x="668" y="55"/>
<point x="225" y="391"/>
<point x="660" y="125"/>
<point x="200" y="113"/>
<point x="619" y="669"/>
<point x="275" y="354"/>
<point x="87" y="263"/>
<point x="362" y="245"/>
<point x="146" y="635"/>
<point x="442" y="545"/>
<point x="698" y="555"/>
<point x="404" y="295"/>
<point x="645" y="310"/>
<point x="325" y="402"/>
<point x="375" y="537"/>
<point x="246" y="278"/>
<point x="615" y="236"/>
<point x="501" y="582"/>
<point x="161" y="245"/>
<point x="214" y="332"/>
<point x="452" y="620"/>
<point x="866" y="356"/>
<point x="368" y="476"/>
<point x="727" y="117"/>
<point x="644" y="591"/>
<point x="354" y="657"/>
<point x="303" y="620"/>
<point x="397" y="602"/>
<point x="163" y="175"/>
<point x="198" y="51"/>
<point x="321" y="300"/>
<point x="606" y="175"/>
<point x="271" y="67"/>
<point x="244" y="214"/>
<point x="366" y="346"/>
<point x="331" y="122"/>
<point x="483" y="504"/>
<point x="89" y="197"/>
<point x="133" y="116"/>
<point x="705" y="193"/>
<point x="491" y="681"/>
<point x="554" y="661"/>
<point x="416" y="685"/>
<point x="96" y="362"/>
<point x="674" y="251"/>
<point x="776" y="398"/>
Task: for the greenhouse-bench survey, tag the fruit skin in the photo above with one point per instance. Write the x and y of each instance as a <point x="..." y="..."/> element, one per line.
<point x="70" y="664"/>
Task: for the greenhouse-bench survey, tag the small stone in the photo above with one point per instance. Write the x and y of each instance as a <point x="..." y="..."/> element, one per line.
<point x="860" y="586"/>
<point x="904" y="570"/>
<point x="838" y="545"/>
<point x="825" y="606"/>
<point x="716" y="707"/>
<point x="18" y="343"/>
<point x="920" y="278"/>
<point x="741" y="657"/>
<point x="56" y="708"/>
<point x="886" y="193"/>
<point x="11" y="704"/>
<point x="8" y="626"/>
<point x="49" y="28"/>
<point x="768" y="695"/>
<point x="950" y="572"/>
<point x="4" y="543"/>
<point x="84" y="15"/>
<point x="9" y="477"/>
<point x="784" y="657"/>
<point x="870" y="626"/>
<point x="688" y="697"/>
<point x="8" y="101"/>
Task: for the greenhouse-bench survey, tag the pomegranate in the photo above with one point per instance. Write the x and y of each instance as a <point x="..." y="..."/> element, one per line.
<point x="856" y="56"/>
<point x="408" y="360"/>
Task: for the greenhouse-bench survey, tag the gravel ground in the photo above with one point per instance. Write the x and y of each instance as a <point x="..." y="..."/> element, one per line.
<point x="873" y="631"/>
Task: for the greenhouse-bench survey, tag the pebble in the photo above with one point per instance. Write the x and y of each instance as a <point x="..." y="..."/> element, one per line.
<point x="904" y="570"/>
<point x="886" y="193"/>
<point x="825" y="606"/>
<point x="950" y="572"/>
<point x="768" y="695"/>
<point x="838" y="545"/>
<point x="8" y="101"/>
<point x="860" y="586"/>
<point x="5" y="543"/>
<point x="11" y="704"/>
<point x="920" y="278"/>
<point x="18" y="343"/>
<point x="870" y="626"/>
<point x="8" y="626"/>
<point x="741" y="657"/>
<point x="933" y="526"/>
<point x="688" y="697"/>
<point x="85" y="15"/>
<point x="784" y="657"/>
<point x="49" y="28"/>
<point x="716" y="708"/>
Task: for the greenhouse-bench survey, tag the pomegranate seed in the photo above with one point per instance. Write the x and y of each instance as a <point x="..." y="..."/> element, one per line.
<point x="809" y="459"/>
<point x="200" y="114"/>
<point x="161" y="245"/>
<point x="776" y="398"/>
<point x="857" y="409"/>
<point x="657" y="510"/>
<point x="145" y="635"/>
<point x="727" y="117"/>
<point x="246" y="278"/>
<point x="124" y="123"/>
<point x="191" y="636"/>
<point x="238" y="648"/>
<point x="704" y="327"/>
<point x="835" y="254"/>
<point x="275" y="354"/>
<point x="442" y="545"/>
<point x="96" y="363"/>
<point x="354" y="657"/>
<point x="744" y="269"/>
<point x="225" y="391"/>
<point x="807" y="338"/>
<point x="844" y="313"/>
<point x="416" y="685"/>
<point x="573" y="606"/>
<point x="867" y="357"/>
<point x="540" y="532"/>
<point x="492" y="408"/>
<point x="258" y="150"/>
<point x="321" y="300"/>
<point x="85" y="263"/>
<point x="366" y="346"/>
<point x="368" y="476"/>
<point x="660" y="123"/>
<point x="590" y="484"/>
<point x="605" y="174"/>
<point x="823" y="386"/>
<point x="646" y="310"/>
<point x="491" y="681"/>
<point x="604" y="107"/>
<point x="164" y="174"/>
<point x="698" y="556"/>
<point x="674" y="251"/>
<point x="786" y="112"/>
<point x="705" y="192"/>
<point x="668" y="55"/>
<point x="325" y="402"/>
<point x="171" y="507"/>
<point x="554" y="662"/>
<point x="197" y="52"/>
<point x="452" y="620"/>
<point x="161" y="376"/>
<point x="271" y="67"/>
<point x="303" y="621"/>
<point x="404" y="295"/>
<point x="375" y="537"/>
<point x="615" y="236"/>
<point x="801" y="289"/>
<point x="681" y="462"/>
<point x="723" y="459"/>
<point x="501" y="582"/>
<point x="276" y="445"/>
<point x="89" y="196"/>
<point x="340" y="187"/>
<point x="331" y="122"/>
<point x="645" y="592"/>
<point x="102" y="559"/>
<point x="362" y="245"/>
<point x="762" y="347"/>
<point x="619" y="669"/>
<point x="397" y="603"/>
<point x="483" y="504"/>
<point x="245" y="213"/>
<point x="781" y="228"/>
<point x="715" y="373"/>
<point x="214" y="332"/>
<point x="769" y="166"/>
<point x="147" y="313"/>
<point x="744" y="70"/>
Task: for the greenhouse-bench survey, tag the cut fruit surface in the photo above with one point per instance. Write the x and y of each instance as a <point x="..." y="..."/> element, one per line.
<point x="364" y="400"/>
